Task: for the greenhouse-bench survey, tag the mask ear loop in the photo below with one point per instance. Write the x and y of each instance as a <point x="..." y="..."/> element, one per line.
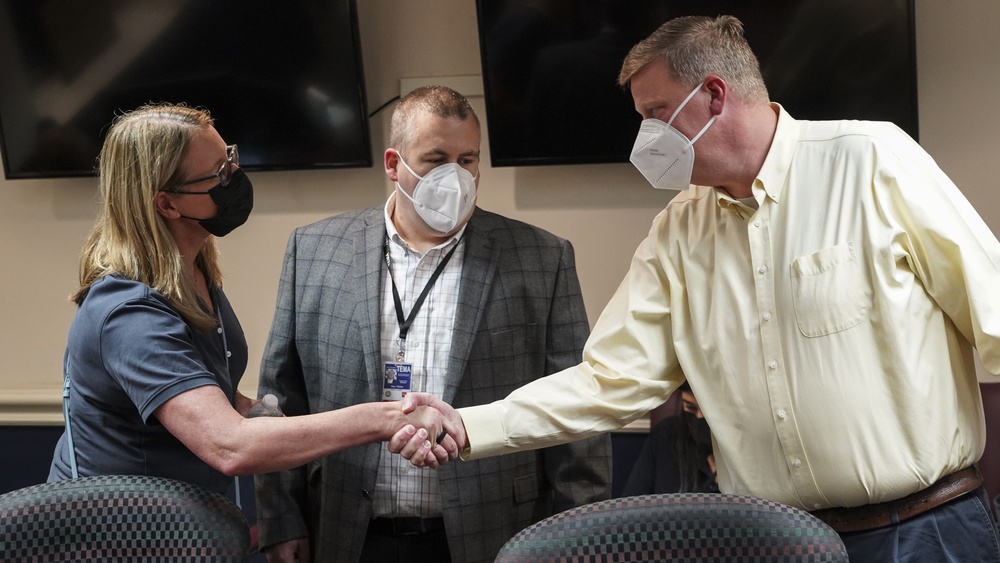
<point x="415" y="175"/>
<point x="703" y="129"/>
<point x="407" y="166"/>
<point x="684" y="103"/>
<point x="678" y="110"/>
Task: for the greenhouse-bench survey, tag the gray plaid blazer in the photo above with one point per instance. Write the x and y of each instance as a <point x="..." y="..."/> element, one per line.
<point x="521" y="316"/>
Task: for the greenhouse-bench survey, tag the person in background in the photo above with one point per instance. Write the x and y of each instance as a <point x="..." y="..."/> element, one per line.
<point x="424" y="293"/>
<point x="155" y="351"/>
<point x="677" y="454"/>
<point x="822" y="285"/>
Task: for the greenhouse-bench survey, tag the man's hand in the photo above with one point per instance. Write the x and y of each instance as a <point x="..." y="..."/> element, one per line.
<point x="424" y="426"/>
<point x="291" y="551"/>
<point x="417" y="443"/>
<point x="425" y="453"/>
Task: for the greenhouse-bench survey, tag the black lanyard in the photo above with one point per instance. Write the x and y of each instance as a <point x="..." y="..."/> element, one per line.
<point x="404" y="324"/>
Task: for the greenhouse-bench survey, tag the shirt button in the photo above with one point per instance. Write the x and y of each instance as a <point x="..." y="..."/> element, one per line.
<point x="763" y="269"/>
<point x="773" y="364"/>
<point x="415" y="345"/>
<point x="796" y="463"/>
<point x="767" y="316"/>
<point x="228" y="354"/>
<point x="782" y="414"/>
<point x="756" y="223"/>
<point x="817" y="506"/>
<point x="219" y="330"/>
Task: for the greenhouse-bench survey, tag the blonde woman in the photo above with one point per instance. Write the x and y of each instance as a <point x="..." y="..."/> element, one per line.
<point x="156" y="352"/>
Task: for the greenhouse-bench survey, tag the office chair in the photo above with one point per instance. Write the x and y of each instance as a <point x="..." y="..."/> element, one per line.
<point x="686" y="527"/>
<point x="131" y="518"/>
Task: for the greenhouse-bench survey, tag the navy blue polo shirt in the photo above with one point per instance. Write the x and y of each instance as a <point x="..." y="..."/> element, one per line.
<point x="127" y="354"/>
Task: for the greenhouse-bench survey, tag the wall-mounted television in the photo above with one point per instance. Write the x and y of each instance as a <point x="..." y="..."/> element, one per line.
<point x="282" y="79"/>
<point x="550" y="67"/>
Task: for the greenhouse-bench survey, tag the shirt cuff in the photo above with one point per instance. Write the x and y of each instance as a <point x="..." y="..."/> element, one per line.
<point x="484" y="432"/>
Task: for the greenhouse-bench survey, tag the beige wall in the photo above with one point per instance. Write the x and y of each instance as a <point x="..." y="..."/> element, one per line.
<point x="604" y="209"/>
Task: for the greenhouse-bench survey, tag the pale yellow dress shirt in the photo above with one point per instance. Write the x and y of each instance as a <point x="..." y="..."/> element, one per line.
<point x="828" y="334"/>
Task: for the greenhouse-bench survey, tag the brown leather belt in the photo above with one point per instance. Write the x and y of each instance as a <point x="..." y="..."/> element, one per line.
<point x="871" y="516"/>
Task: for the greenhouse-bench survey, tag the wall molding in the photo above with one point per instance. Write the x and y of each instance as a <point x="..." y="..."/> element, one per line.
<point x="43" y="407"/>
<point x="31" y="407"/>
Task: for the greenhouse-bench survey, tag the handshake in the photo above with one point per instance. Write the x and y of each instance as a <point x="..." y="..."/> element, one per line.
<point x="433" y="432"/>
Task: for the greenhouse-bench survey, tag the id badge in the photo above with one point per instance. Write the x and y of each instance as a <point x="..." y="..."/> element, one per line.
<point x="396" y="380"/>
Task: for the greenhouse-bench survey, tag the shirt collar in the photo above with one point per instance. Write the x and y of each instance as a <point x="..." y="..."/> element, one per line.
<point x="771" y="178"/>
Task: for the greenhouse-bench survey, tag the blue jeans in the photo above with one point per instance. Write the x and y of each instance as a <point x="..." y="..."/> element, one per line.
<point x="959" y="531"/>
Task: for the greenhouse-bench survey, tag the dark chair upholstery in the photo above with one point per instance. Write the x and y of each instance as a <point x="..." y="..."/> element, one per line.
<point x="121" y="518"/>
<point x="677" y="527"/>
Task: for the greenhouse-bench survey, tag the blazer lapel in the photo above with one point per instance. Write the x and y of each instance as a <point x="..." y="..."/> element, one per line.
<point x="481" y="257"/>
<point x="369" y="257"/>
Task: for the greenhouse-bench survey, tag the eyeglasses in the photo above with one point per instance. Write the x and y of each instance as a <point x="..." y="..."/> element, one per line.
<point x="224" y="174"/>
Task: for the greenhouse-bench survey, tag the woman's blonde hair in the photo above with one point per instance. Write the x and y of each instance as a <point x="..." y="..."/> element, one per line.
<point x="696" y="46"/>
<point x="143" y="154"/>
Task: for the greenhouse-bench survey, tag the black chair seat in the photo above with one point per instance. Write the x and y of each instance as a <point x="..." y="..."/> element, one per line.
<point x="689" y="527"/>
<point x="121" y="518"/>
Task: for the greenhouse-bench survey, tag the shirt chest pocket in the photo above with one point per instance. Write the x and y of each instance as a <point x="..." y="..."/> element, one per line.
<point x="828" y="290"/>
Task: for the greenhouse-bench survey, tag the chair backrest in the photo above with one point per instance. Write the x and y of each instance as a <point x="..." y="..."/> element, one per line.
<point x="677" y="527"/>
<point x="132" y="518"/>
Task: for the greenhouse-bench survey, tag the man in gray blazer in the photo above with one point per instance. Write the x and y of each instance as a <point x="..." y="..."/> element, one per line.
<point x="427" y="293"/>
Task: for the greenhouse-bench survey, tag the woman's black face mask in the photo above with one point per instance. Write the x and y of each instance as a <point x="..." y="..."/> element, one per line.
<point x="700" y="432"/>
<point x="234" y="201"/>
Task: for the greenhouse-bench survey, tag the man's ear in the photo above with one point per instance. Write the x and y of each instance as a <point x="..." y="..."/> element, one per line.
<point x="391" y="161"/>
<point x="164" y="205"/>
<point x="718" y="89"/>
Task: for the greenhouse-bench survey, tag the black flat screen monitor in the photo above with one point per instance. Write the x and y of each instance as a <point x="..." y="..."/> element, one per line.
<point x="282" y="79"/>
<point x="550" y="67"/>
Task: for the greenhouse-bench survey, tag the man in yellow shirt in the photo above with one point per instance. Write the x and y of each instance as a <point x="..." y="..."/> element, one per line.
<point x="821" y="286"/>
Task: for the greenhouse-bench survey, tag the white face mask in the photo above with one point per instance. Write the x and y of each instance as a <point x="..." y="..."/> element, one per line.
<point x="663" y="154"/>
<point x="443" y="197"/>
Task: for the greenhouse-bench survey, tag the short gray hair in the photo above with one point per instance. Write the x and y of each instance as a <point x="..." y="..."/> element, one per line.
<point x="696" y="46"/>
<point x="438" y="100"/>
